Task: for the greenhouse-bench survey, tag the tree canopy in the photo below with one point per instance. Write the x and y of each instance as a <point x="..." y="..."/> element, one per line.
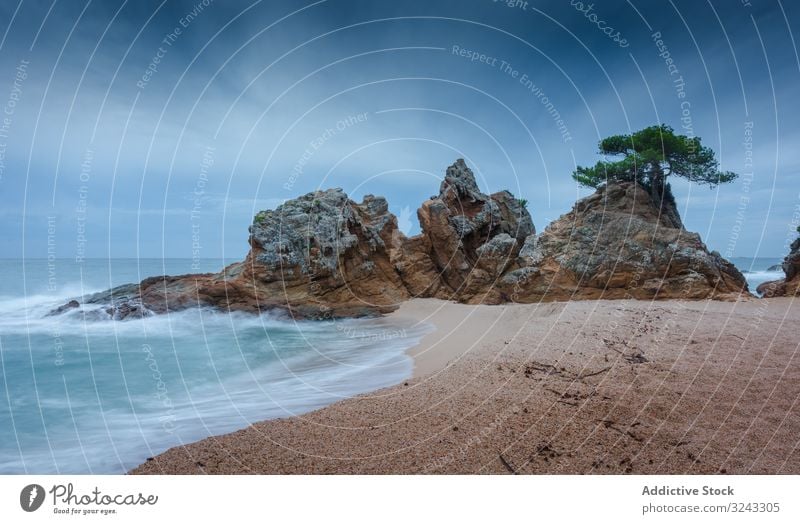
<point x="651" y="155"/>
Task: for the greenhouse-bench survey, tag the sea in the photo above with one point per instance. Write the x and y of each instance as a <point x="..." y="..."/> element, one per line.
<point x="757" y="270"/>
<point x="99" y="396"/>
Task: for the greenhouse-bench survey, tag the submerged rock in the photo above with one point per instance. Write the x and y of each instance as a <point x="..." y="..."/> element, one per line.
<point x="72" y="304"/>
<point x="323" y="255"/>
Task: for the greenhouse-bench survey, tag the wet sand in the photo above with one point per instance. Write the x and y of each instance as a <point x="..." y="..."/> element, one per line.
<point x="580" y="387"/>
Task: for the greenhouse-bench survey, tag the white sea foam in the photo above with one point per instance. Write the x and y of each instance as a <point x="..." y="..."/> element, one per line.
<point x="756" y="278"/>
<point x="102" y="395"/>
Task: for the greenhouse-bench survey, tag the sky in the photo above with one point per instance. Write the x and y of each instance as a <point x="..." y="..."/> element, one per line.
<point x="158" y="129"/>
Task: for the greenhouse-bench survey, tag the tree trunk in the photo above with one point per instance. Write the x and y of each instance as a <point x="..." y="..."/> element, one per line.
<point x="662" y="198"/>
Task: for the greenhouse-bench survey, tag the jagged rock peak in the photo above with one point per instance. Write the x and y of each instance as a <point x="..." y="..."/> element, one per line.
<point x="459" y="182"/>
<point x="313" y="234"/>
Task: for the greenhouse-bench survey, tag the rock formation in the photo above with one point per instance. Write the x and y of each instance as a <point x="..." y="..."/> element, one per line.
<point x="617" y="244"/>
<point x="320" y="255"/>
<point x="470" y="238"/>
<point x="789" y="286"/>
<point x="324" y="255"/>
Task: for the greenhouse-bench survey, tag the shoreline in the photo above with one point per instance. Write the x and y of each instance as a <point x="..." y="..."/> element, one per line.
<point x="602" y="386"/>
<point x="458" y="330"/>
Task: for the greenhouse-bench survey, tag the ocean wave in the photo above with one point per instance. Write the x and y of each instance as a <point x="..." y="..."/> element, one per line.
<point x="31" y="315"/>
<point x="137" y="387"/>
<point x="756" y="278"/>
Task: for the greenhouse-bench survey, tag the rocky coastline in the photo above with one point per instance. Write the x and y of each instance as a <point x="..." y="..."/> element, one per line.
<point x="323" y="255"/>
<point x="790" y="284"/>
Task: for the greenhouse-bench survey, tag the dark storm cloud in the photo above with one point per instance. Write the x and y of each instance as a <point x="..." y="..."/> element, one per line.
<point x="139" y="123"/>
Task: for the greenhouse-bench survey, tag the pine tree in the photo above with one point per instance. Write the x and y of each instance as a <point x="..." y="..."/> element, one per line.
<point x="649" y="157"/>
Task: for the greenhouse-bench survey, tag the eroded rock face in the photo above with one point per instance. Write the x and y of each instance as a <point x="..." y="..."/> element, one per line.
<point x="323" y="255"/>
<point x="318" y="256"/>
<point x="790" y="284"/>
<point x="472" y="237"/>
<point x="333" y="251"/>
<point x="616" y="244"/>
<point x="791" y="264"/>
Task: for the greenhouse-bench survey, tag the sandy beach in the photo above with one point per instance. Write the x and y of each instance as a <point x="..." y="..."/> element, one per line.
<point x="590" y="387"/>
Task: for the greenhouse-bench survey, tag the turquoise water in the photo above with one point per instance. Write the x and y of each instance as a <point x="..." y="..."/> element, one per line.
<point x="100" y="396"/>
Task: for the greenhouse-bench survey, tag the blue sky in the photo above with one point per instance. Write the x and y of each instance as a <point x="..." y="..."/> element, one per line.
<point x="249" y="104"/>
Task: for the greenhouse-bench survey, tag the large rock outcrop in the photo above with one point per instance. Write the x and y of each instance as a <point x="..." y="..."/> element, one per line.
<point x="470" y="237"/>
<point x="324" y="255"/>
<point x="789" y="286"/>
<point x="618" y="243"/>
<point x="320" y="255"/>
